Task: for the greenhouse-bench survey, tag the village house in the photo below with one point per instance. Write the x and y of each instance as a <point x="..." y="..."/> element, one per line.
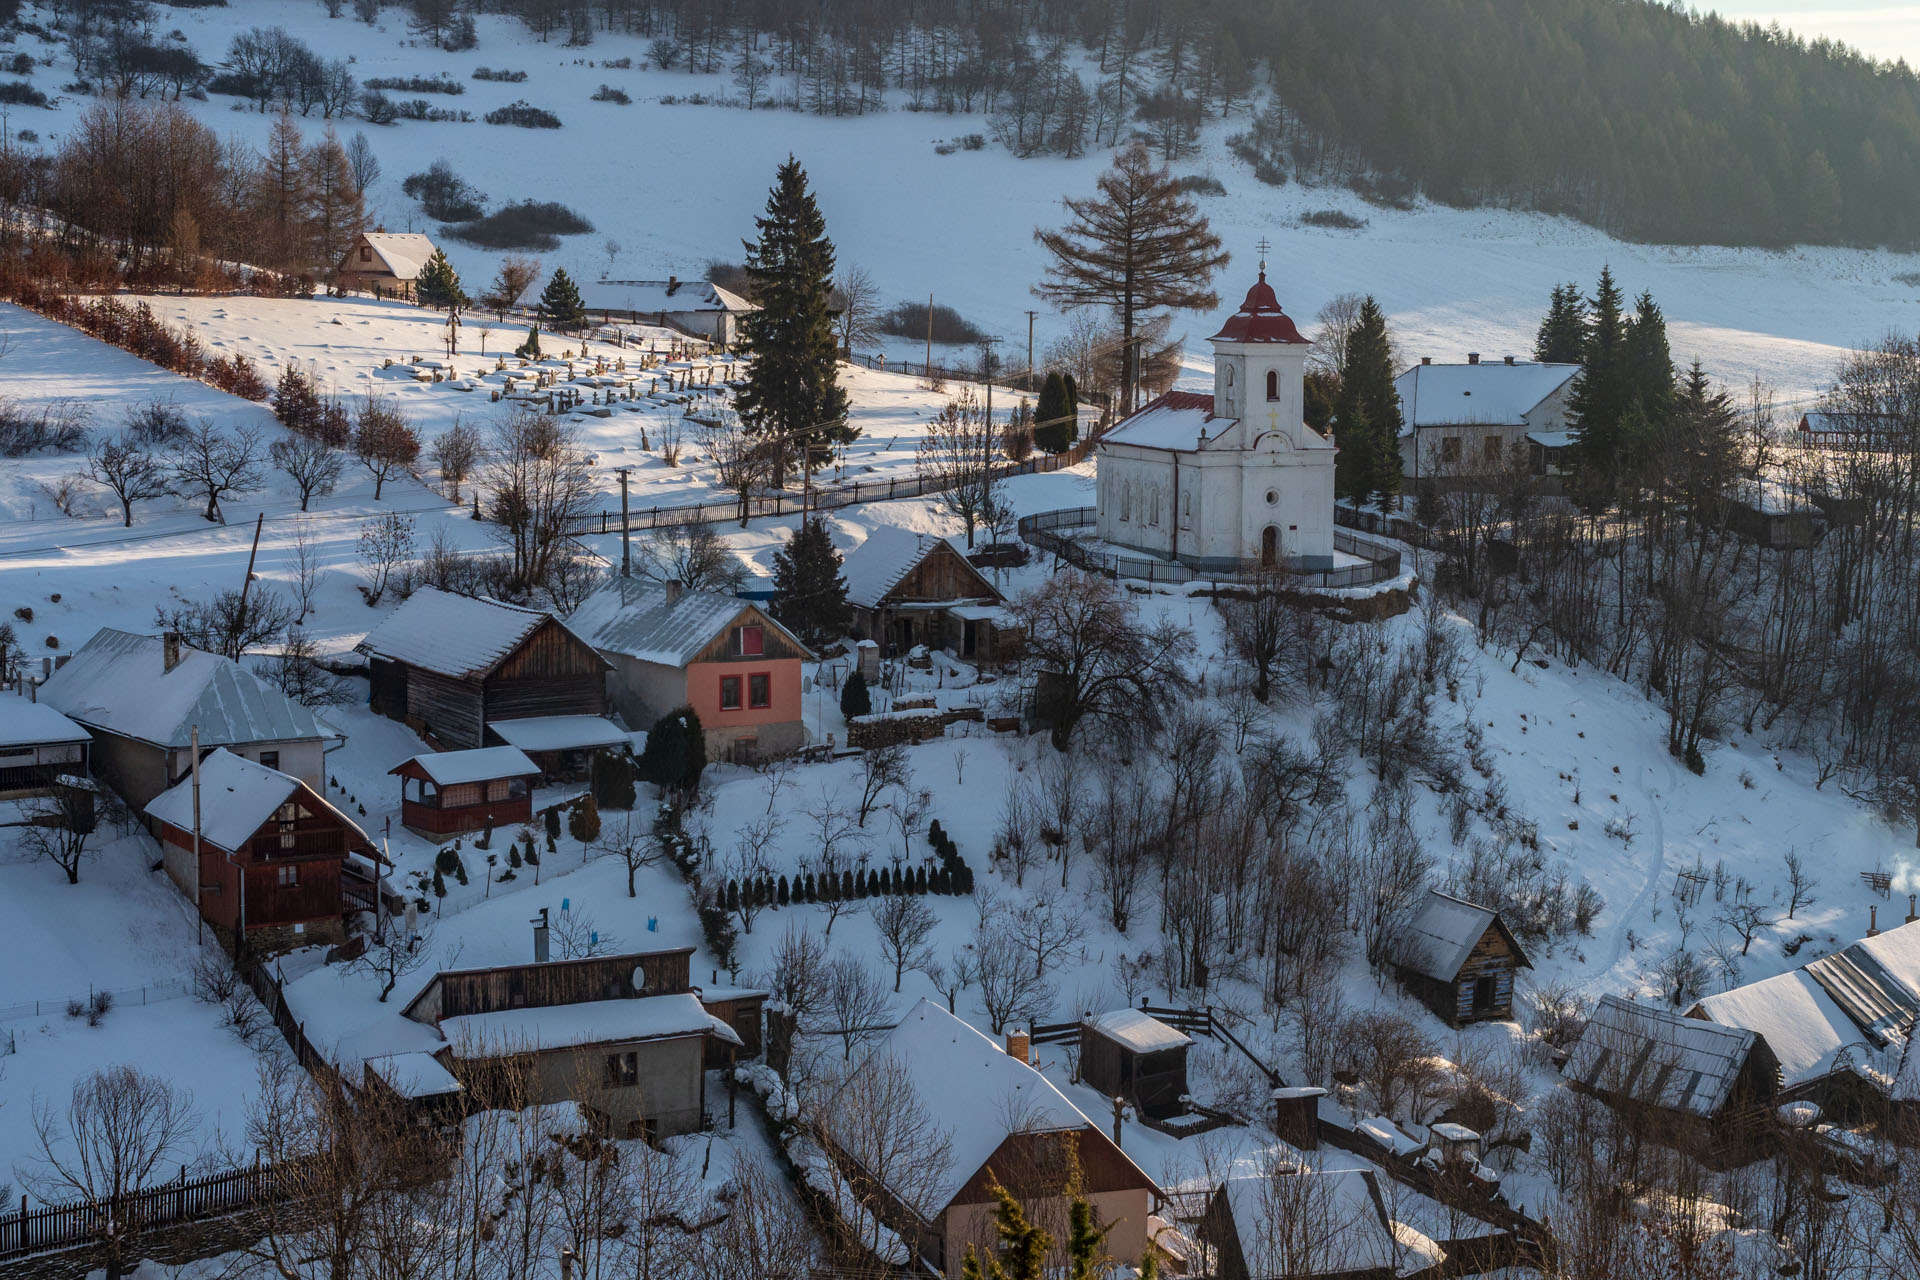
<point x="1459" y="960"/>
<point x="1700" y="1084"/>
<point x="1839" y="1024"/>
<point x="1832" y="430"/>
<point x="1129" y="1054"/>
<point x="908" y="589"/>
<point x="725" y="657"/>
<point x="384" y="263"/>
<point x="699" y="308"/>
<point x="1309" y="1224"/>
<point x="143" y="698"/>
<point x="1236" y="478"/>
<point x="1463" y="425"/>
<point x="473" y="790"/>
<point x="37" y="745"/>
<point x="626" y="1036"/>
<point x="276" y="862"/>
<point x="1770" y="512"/>
<point x="1004" y="1122"/>
<point x="450" y="667"/>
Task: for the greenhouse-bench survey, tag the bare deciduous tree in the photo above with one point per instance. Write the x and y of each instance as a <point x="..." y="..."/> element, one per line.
<point x="211" y="463"/>
<point x="538" y="488"/>
<point x="632" y="843"/>
<point x="1010" y="991"/>
<point x="395" y="954"/>
<point x="313" y="465"/>
<point x="59" y="825"/>
<point x="859" y="300"/>
<point x="385" y="442"/>
<point x="386" y="543"/>
<point x="456" y="451"/>
<point x="130" y="472"/>
<point x="903" y="922"/>
<point x="692" y="555"/>
<point x="956" y="458"/>
<point x="854" y="1000"/>
<point x="1098" y="660"/>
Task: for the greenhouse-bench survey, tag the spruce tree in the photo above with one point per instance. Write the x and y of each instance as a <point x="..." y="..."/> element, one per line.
<point x="530" y="349"/>
<point x="792" y="390"/>
<point x="560" y="305"/>
<point x="1602" y="391"/>
<point x="809" y="593"/>
<point x="676" y="752"/>
<point x="1056" y="428"/>
<point x="1367" y="417"/>
<point x="854" y="698"/>
<point x="438" y="285"/>
<point x="1562" y="338"/>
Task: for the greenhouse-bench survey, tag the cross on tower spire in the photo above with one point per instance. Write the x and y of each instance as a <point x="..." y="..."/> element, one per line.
<point x="1263" y="246"/>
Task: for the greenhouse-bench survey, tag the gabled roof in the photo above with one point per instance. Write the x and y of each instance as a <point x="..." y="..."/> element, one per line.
<point x="460" y="636"/>
<point x="1444" y="932"/>
<point x="1821" y="422"/>
<point x="974" y="1093"/>
<point x="1260" y="318"/>
<point x="560" y="733"/>
<point x="633" y="618"/>
<point x="1660" y="1057"/>
<point x="1807" y="1031"/>
<point x="35" y="724"/>
<point x="1138" y="1031"/>
<point x="118" y="682"/>
<point x="402" y="252"/>
<point x="878" y="565"/>
<point x="237" y="797"/>
<point x="1339" y="1212"/>
<point x="649" y="297"/>
<point x="1491" y="393"/>
<point x="479" y="764"/>
<point x="1171" y="420"/>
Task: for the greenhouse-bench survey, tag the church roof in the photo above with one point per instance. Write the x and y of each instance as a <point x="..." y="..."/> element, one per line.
<point x="1259" y="319"/>
<point x="1172" y="420"/>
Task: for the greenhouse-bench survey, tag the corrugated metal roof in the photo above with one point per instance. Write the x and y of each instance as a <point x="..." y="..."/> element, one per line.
<point x="118" y="682"/>
<point x="1491" y="393"/>
<point x="632" y="617"/>
<point x="454" y="635"/>
<point x="1659" y="1057"/>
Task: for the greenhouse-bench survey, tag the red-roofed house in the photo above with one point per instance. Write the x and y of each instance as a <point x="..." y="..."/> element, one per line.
<point x="1230" y="479"/>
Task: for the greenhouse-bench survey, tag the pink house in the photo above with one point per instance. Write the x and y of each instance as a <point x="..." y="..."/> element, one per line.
<point x="723" y="656"/>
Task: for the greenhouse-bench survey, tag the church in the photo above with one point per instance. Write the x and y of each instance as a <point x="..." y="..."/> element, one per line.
<point x="1229" y="480"/>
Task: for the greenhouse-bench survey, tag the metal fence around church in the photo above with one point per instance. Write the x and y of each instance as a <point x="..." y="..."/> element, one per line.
<point x="1054" y="531"/>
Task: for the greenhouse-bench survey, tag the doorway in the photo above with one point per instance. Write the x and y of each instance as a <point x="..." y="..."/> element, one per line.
<point x="1269" y="547"/>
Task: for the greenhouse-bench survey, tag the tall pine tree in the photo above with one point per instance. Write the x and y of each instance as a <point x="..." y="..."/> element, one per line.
<point x="438" y="285"/>
<point x="1367" y="415"/>
<point x="1563" y="332"/>
<point x="1601" y="396"/>
<point x="809" y="595"/>
<point x="560" y="307"/>
<point x="792" y="390"/>
<point x="1055" y="428"/>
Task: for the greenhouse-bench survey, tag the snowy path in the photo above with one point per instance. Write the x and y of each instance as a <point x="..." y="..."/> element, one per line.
<point x="1644" y="899"/>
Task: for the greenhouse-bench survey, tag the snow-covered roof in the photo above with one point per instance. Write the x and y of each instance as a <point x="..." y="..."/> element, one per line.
<point x="1175" y="420"/>
<point x="1353" y="1233"/>
<point x="118" y="682"/>
<point x="1137" y="1031"/>
<point x="657" y="297"/>
<point x="1819" y="422"/>
<point x="479" y="764"/>
<point x="890" y="553"/>
<point x="633" y="618"/>
<point x="972" y="1091"/>
<point x="403" y="252"/>
<point x="1657" y="1056"/>
<point x="30" y="724"/>
<point x="1553" y="439"/>
<point x="414" y="1075"/>
<point x="454" y="635"/>
<point x="1769" y="496"/>
<point x="1806" y="1030"/>
<point x="1491" y="393"/>
<point x="559" y="733"/>
<point x="1443" y="933"/>
<point x="569" y="1026"/>
<point x="237" y="797"/>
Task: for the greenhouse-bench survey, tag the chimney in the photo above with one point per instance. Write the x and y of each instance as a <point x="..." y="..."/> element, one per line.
<point x="1912" y="914"/>
<point x="1873" y="921"/>
<point x="1509" y="361"/>
<point x="540" y="927"/>
<point x="1426" y="359"/>
<point x="169" y="651"/>
<point x="1473" y="357"/>
<point x="1019" y="1043"/>
<point x="673" y="285"/>
<point x="673" y="593"/>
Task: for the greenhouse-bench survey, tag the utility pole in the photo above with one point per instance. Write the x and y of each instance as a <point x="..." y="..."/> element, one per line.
<point x="1030" y="316"/>
<point x="626" y="526"/>
<point x="241" y="619"/>
<point x="929" y="337"/>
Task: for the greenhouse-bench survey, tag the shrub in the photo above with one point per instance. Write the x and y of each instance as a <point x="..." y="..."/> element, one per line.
<point x="443" y="194"/>
<point x="583" y="823"/>
<point x="855" y="700"/>
<point x="503" y="75"/>
<point x="909" y="320"/>
<point x="418" y="84"/>
<point x="60" y="427"/>
<point x="529" y="224"/>
<point x="1200" y="184"/>
<point x="524" y="115"/>
<point x="156" y="422"/>
<point x="612" y="781"/>
<point x="21" y="94"/>
<point x="607" y="93"/>
<point x="21" y="64"/>
<point x="1332" y="219"/>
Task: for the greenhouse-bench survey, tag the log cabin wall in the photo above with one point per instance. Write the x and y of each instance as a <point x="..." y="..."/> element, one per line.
<point x="536" y="986"/>
<point x="1492" y="957"/>
<point x="942" y="574"/>
<point x="452" y="711"/>
<point x="552" y="673"/>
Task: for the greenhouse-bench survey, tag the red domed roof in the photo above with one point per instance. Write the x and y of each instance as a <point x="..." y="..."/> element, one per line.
<point x="1259" y="319"/>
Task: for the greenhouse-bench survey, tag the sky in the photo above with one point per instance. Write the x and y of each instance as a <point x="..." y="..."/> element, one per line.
<point x="1881" y="28"/>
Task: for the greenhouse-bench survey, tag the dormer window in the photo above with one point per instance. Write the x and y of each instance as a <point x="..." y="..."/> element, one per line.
<point x="1273" y="385"/>
<point x="753" y="641"/>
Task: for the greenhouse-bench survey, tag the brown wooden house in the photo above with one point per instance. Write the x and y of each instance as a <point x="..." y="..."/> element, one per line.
<point x="449" y="666"/>
<point x="1459" y="960"/>
<point x="384" y="263"/>
<point x="1127" y="1054"/>
<point x="626" y="1036"/>
<point x="276" y="863"/>
<point x="455" y="791"/>
<point x="909" y="589"/>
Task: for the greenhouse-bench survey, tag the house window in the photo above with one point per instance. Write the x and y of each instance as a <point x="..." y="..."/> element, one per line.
<point x="753" y="641"/>
<point x="289" y="877"/>
<point x="1273" y="385"/>
<point x="760" y="689"/>
<point x="366" y="253"/>
<point x="729" y="693"/>
<point x="271" y="759"/>
<point x="1490" y="450"/>
<point x="623" y="1070"/>
<point x="1450" y="448"/>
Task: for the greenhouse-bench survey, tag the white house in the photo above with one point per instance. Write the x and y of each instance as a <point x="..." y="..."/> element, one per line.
<point x="1237" y="477"/>
<point x="698" y="307"/>
<point x="1469" y="419"/>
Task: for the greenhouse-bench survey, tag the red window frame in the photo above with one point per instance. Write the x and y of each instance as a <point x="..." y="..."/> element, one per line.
<point x="753" y="641"/>
<point x="760" y="690"/>
<point x="730" y="693"/>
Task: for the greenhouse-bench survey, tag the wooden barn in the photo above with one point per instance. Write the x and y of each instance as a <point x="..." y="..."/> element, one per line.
<point x="1128" y="1054"/>
<point x="626" y="1036"/>
<point x="451" y="666"/>
<point x="38" y="745"/>
<point x="1308" y="1224"/>
<point x="1459" y="960"/>
<point x="909" y="589"/>
<point x="277" y="863"/>
<point x="455" y="791"/>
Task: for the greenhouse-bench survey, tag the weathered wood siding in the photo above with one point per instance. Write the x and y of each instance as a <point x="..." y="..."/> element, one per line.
<point x="452" y="711"/>
<point x="552" y="673"/>
<point x="725" y="646"/>
<point x="537" y="986"/>
<point x="942" y="574"/>
<point x="1493" y="958"/>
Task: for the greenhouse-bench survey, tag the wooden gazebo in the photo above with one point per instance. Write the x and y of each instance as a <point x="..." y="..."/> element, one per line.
<point x="446" y="792"/>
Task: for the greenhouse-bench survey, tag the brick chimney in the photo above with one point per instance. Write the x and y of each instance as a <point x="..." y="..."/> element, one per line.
<point x="673" y="593"/>
<point x="169" y="651"/>
<point x="1509" y="360"/>
<point x="1426" y="359"/>
<point x="1019" y="1043"/>
<point x="1473" y="357"/>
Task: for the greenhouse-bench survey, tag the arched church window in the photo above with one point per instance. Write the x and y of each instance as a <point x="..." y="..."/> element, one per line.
<point x="1155" y="522"/>
<point x="1126" y="503"/>
<point x="1186" y="510"/>
<point x="1273" y="384"/>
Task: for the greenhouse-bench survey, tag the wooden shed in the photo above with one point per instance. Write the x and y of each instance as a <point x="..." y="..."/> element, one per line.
<point x="1459" y="960"/>
<point x="1128" y="1054"/>
<point x="455" y="791"/>
<point x="909" y="589"/>
<point x="450" y="666"/>
<point x="740" y="1008"/>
